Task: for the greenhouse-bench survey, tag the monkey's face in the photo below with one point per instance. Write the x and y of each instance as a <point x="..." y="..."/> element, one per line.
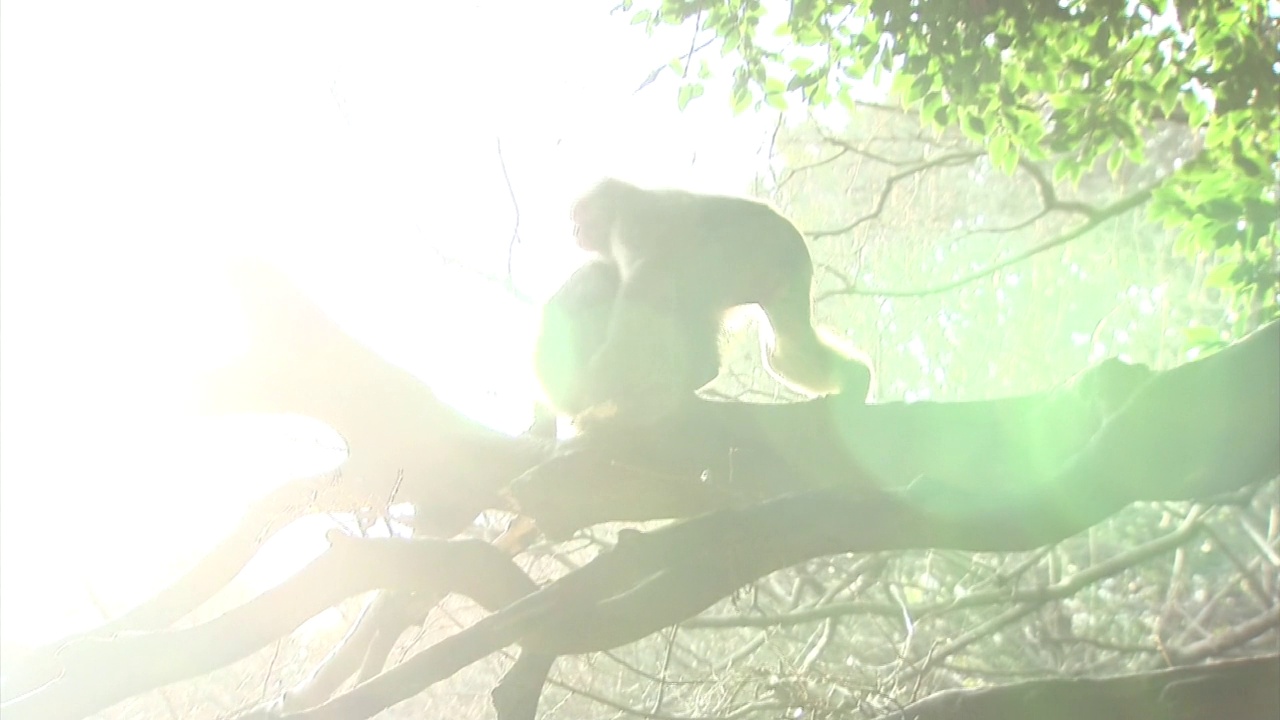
<point x="592" y="225"/>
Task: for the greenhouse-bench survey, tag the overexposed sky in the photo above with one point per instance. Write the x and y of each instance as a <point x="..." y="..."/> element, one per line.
<point x="354" y="145"/>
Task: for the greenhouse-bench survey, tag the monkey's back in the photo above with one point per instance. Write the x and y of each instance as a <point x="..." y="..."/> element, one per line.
<point x="730" y="250"/>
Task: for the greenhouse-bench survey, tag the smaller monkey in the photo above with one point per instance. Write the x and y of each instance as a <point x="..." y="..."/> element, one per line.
<point x="575" y="321"/>
<point x="677" y="262"/>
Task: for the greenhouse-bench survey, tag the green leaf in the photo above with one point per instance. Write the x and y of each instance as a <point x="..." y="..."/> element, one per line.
<point x="846" y="99"/>
<point x="1114" y="161"/>
<point x="942" y="116"/>
<point x="1079" y="67"/>
<point x="1222" y="276"/>
<point x="641" y="17"/>
<point x="730" y="39"/>
<point x="974" y="126"/>
<point x="1200" y="336"/>
<point x="687" y="93"/>
<point x="1197" y="110"/>
<point x="802" y="81"/>
<point x="1003" y="156"/>
<point x="1219" y="133"/>
<point x="920" y="85"/>
<point x="807" y="35"/>
<point x="899" y="86"/>
<point x="1062" y="170"/>
<point x="801" y="65"/>
<point x="1246" y="164"/>
<point x="931" y="103"/>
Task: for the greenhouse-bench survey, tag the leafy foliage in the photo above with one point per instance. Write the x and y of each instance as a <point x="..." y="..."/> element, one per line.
<point x="1076" y="83"/>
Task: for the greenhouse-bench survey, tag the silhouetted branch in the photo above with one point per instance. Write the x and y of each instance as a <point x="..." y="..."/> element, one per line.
<point x="1236" y="689"/>
<point x="771" y="485"/>
<point x="1096" y="218"/>
<point x="98" y="672"/>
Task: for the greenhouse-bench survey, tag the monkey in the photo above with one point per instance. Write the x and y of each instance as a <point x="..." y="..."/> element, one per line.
<point x="575" y="323"/>
<point x="637" y="327"/>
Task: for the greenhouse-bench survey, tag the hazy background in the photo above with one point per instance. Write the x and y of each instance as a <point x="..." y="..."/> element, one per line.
<point x="358" y="147"/>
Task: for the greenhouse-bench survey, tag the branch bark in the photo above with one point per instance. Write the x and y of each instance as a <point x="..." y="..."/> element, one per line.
<point x="1237" y="689"/>
<point x="97" y="672"/>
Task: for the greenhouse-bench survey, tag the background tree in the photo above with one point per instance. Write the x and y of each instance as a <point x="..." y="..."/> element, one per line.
<point x="1072" y="86"/>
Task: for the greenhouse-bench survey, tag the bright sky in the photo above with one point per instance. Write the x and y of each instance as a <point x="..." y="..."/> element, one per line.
<point x="351" y="144"/>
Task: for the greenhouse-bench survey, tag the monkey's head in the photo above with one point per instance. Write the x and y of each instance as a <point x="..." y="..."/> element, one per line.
<point x="596" y="214"/>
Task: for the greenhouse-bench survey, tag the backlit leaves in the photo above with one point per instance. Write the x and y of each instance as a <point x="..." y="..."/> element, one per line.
<point x="1079" y="84"/>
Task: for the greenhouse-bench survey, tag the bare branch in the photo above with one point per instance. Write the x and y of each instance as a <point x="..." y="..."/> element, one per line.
<point x="949" y="159"/>
<point x="1096" y="218"/>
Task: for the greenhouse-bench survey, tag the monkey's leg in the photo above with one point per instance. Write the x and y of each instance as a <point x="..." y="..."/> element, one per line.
<point x="800" y="357"/>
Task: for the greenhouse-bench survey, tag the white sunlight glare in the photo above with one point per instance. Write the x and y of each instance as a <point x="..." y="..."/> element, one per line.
<point x="355" y="146"/>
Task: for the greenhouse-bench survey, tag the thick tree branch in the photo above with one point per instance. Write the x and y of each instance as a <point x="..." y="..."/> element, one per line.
<point x="98" y="672"/>
<point x="653" y="580"/>
<point x="1237" y="689"/>
<point x="402" y="440"/>
<point x="998" y="475"/>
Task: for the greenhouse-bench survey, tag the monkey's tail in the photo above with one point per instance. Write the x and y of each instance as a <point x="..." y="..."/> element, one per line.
<point x="817" y="363"/>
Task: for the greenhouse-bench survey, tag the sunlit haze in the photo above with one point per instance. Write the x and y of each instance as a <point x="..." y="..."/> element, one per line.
<point x="360" y="148"/>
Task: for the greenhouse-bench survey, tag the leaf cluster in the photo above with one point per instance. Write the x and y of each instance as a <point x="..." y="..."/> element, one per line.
<point x="1075" y="83"/>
